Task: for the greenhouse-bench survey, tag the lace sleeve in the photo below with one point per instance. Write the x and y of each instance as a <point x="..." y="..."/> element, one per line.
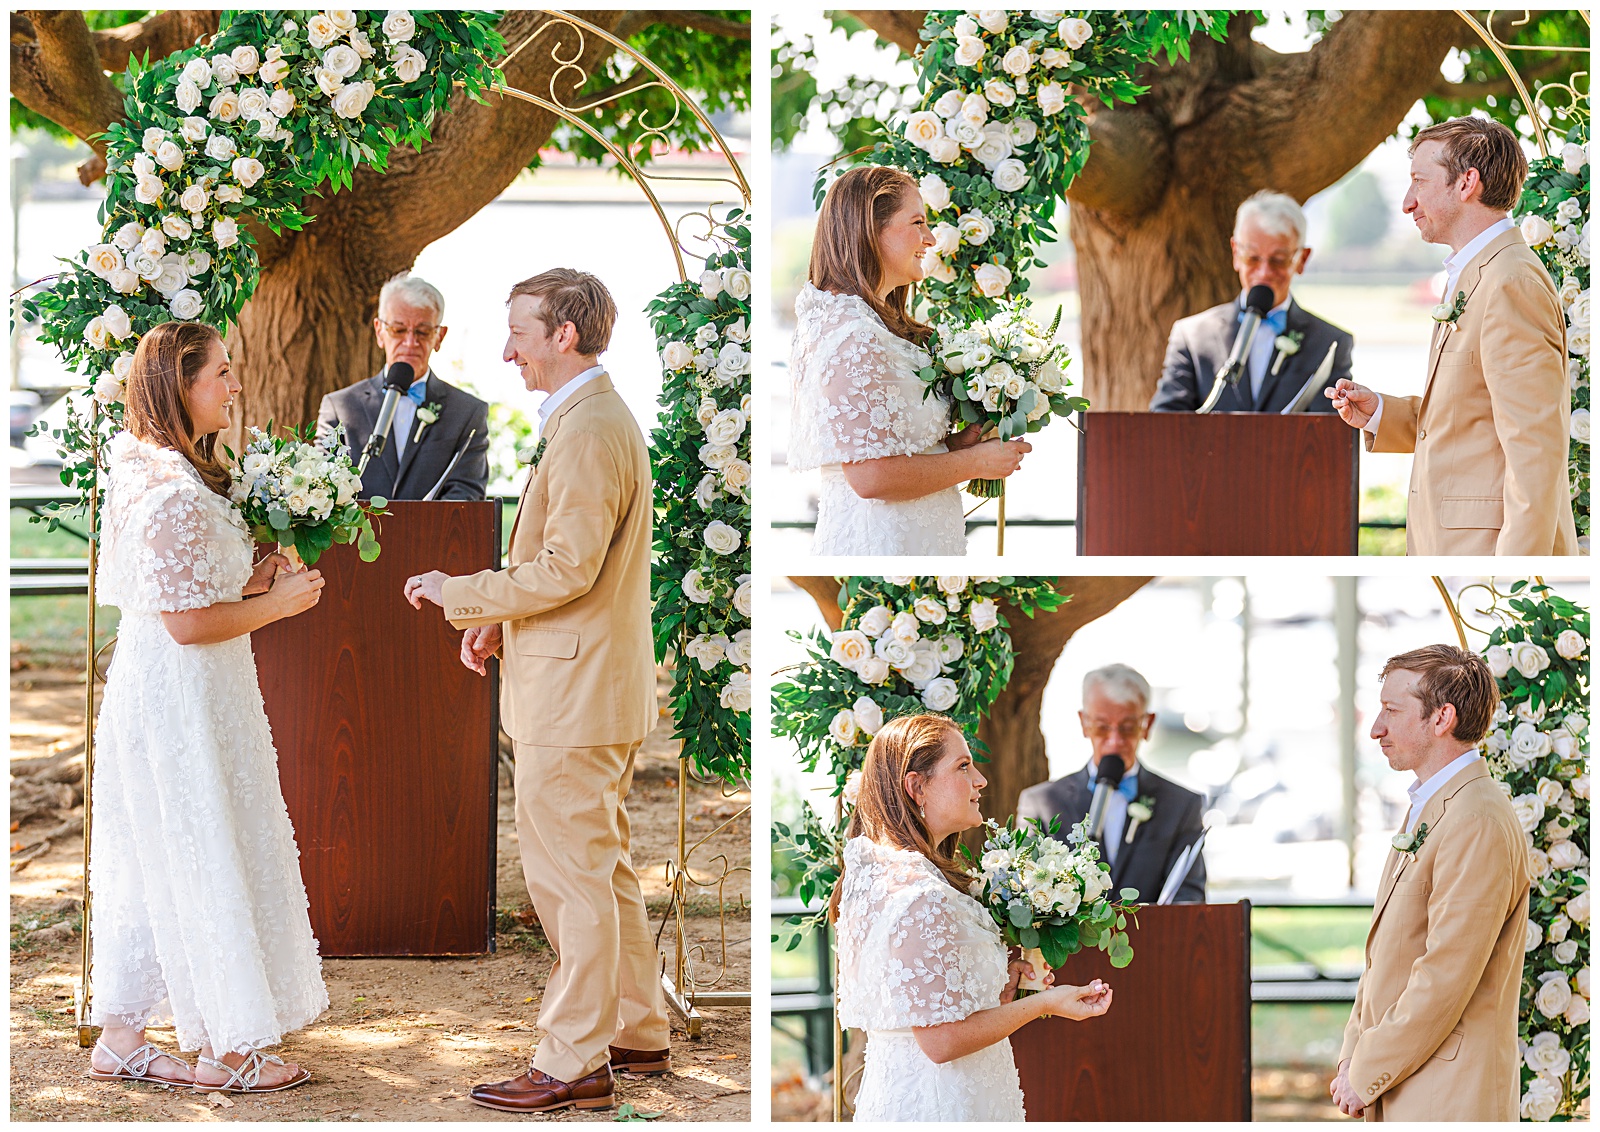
<point x="926" y="979"/>
<point x="857" y="395"/>
<point x="178" y="565"/>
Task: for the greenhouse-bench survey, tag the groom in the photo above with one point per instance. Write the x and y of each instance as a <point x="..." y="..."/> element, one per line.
<point x="570" y="618"/>
<point x="1490" y="429"/>
<point x="1433" y="1034"/>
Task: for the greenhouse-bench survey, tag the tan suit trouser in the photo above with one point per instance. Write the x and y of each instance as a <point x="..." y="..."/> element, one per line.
<point x="573" y="827"/>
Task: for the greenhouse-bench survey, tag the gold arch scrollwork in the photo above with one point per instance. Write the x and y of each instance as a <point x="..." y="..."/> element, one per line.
<point x="1500" y="49"/>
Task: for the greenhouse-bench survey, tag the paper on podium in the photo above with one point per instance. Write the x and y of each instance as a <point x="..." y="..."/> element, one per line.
<point x="1180" y="869"/>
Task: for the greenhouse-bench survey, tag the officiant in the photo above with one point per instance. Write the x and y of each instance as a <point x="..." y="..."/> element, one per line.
<point x="1269" y="235"/>
<point x="440" y="438"/>
<point x="1150" y="820"/>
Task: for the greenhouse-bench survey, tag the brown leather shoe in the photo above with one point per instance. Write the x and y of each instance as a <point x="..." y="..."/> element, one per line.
<point x="534" y="1091"/>
<point x="641" y="1062"/>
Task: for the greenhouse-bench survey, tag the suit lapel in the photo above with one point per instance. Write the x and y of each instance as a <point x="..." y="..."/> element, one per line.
<point x="1295" y="319"/>
<point x="434" y="391"/>
<point x="599" y="384"/>
<point x="1431" y="814"/>
<point x="1471" y="275"/>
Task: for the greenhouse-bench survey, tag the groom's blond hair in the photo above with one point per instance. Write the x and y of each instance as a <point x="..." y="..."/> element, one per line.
<point x="1451" y="676"/>
<point x="576" y="297"/>
<point x="1485" y="145"/>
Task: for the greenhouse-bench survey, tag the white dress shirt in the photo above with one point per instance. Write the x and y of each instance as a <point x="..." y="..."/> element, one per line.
<point x="1116" y="809"/>
<point x="1261" y="350"/>
<point x="1420" y="792"/>
<point x="564" y="394"/>
<point x="1454" y="264"/>
<point x="405" y="415"/>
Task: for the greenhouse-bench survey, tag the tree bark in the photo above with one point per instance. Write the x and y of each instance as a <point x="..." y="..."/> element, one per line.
<point x="1152" y="211"/>
<point x="1011" y="730"/>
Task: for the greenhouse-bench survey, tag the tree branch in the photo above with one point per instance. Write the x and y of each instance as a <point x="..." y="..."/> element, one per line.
<point x="56" y="73"/>
<point x="903" y="29"/>
<point x="694" y="21"/>
<point x="160" y="35"/>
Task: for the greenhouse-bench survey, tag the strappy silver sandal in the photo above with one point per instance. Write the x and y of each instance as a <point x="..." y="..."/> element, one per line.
<point x="136" y="1066"/>
<point x="247" y="1077"/>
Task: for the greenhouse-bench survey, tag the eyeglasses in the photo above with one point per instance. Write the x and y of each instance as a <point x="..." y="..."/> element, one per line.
<point x="420" y="333"/>
<point x="1128" y="728"/>
<point x="1278" y="262"/>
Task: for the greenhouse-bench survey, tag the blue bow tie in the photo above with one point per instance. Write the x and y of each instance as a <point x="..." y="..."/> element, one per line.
<point x="1128" y="787"/>
<point x="418" y="390"/>
<point x="1277" y="320"/>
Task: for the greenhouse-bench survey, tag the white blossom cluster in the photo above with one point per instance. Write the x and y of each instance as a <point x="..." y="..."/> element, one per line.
<point x="1539" y="758"/>
<point x="304" y="481"/>
<point x="1044" y="877"/>
<point x="1005" y="364"/>
<point x="920" y="645"/>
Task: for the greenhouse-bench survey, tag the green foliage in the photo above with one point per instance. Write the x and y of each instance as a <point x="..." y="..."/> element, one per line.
<point x="700" y="450"/>
<point x="852" y="110"/>
<point x="1484" y="85"/>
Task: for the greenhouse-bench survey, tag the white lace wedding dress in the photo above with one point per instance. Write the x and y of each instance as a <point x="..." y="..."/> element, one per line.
<point x="915" y="952"/>
<point x="199" y="909"/>
<point x="857" y="397"/>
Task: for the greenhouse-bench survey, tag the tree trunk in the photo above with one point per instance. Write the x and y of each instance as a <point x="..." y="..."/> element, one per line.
<point x="1011" y="730"/>
<point x="1151" y="213"/>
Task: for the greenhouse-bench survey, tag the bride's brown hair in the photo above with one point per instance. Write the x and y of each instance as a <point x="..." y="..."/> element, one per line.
<point x="884" y="809"/>
<point x="169" y="359"/>
<point x="845" y="257"/>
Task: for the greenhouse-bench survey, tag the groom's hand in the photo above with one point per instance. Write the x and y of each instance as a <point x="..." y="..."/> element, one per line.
<point x="478" y="644"/>
<point x="1344" y="1093"/>
<point x="429" y="586"/>
<point x="1354" y="403"/>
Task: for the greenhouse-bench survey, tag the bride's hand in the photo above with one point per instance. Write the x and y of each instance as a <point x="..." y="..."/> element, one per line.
<point x="997" y="459"/>
<point x="1018" y="969"/>
<point x="1077" y="1003"/>
<point x="264" y="572"/>
<point x="966" y="438"/>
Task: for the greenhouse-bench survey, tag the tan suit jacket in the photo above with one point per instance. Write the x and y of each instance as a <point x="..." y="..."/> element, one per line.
<point x="1490" y="429"/>
<point x="1433" y="1035"/>
<point x="578" y="665"/>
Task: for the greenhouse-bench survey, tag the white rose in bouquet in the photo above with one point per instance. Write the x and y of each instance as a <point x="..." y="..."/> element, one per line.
<point x="720" y="538"/>
<point x="935" y="193"/>
<point x="198" y="72"/>
<point x="941" y="694"/>
<point x="1579" y="427"/>
<point x="1536" y="230"/>
<point x="923" y="127"/>
<point x="995" y="146"/>
<point x="225" y="105"/>
<point x="707" y="650"/>
<point x="246" y="60"/>
<point x="1528" y="744"/>
<point x="1017" y="61"/>
<point x="1542" y="1098"/>
<point x="905" y="626"/>
<point x="1498" y="658"/>
<point x="868" y="715"/>
<point x="726" y="427"/>
<point x="320" y="31"/>
<point x="1549" y="791"/>
<point x="247" y="170"/>
<point x="1578" y="912"/>
<point x="1573" y="158"/>
<point x="1538" y="863"/>
<point x="1545" y="1054"/>
<point x="1074" y="32"/>
<point x="228" y="194"/>
<point x="999" y="93"/>
<point x="108" y="390"/>
<point x="281" y="103"/>
<point x="220" y="147"/>
<point x="930" y="610"/>
<point x="1553" y="995"/>
<point x="975" y="227"/>
<point x="1580" y="786"/>
<point x="742" y="595"/>
<point x="739" y="648"/>
<point x="948" y="104"/>
<point x="993" y="20"/>
<point x="676" y="355"/>
<point x="984" y="614"/>
<point x="992" y="279"/>
<point x="874" y="670"/>
<point x="736" y="693"/>
<point x="194" y="198"/>
<point x="1529" y="658"/>
<point x="1527" y="713"/>
<point x="695" y="589"/>
<point x="274" y="70"/>
<point x="969" y="51"/>
<point x="254" y="101"/>
<point x="1529" y="809"/>
<point x="1532" y="936"/>
<point x="187" y="96"/>
<point x="1577" y="1011"/>
<point x="924" y="664"/>
<point x="850" y="648"/>
<point x="1010" y="175"/>
<point x="223" y="70"/>
<point x="946" y="239"/>
<point x="128" y="236"/>
<point x="1570" y="644"/>
<point x="358" y="39"/>
<point x="1566" y="855"/>
<point x="352" y="100"/>
<point x="1052" y="98"/>
<point x="104" y="259"/>
<point x="225" y="231"/>
<point x="894" y="652"/>
<point x="343" y="18"/>
<point x="875" y="621"/>
<point x="1054" y="59"/>
<point x="117" y="322"/>
<point x="736" y="281"/>
<point x="170" y="156"/>
<point x="968" y="135"/>
<point x="399" y="26"/>
<point x="945" y="150"/>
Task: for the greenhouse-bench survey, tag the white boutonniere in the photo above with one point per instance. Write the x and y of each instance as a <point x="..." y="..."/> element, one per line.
<point x="1287" y="345"/>
<point x="426" y="415"/>
<point x="1407" y="844"/>
<point x="531" y="456"/>
<point x="1138" y="813"/>
<point x="1448" y="313"/>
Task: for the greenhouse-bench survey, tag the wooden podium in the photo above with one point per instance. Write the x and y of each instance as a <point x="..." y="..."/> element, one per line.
<point x="1224" y="483"/>
<point x="1175" y="1044"/>
<point x="387" y="744"/>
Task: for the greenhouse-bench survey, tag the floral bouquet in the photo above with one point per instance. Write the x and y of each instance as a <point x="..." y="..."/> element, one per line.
<point x="1051" y="898"/>
<point x="1004" y="373"/>
<point x="302" y="495"/>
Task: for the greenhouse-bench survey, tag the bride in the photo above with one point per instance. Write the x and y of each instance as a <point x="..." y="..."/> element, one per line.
<point x="890" y="467"/>
<point x="922" y="967"/>
<point x="199" y="909"/>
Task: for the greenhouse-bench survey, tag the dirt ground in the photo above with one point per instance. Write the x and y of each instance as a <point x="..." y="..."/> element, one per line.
<point x="404" y="1039"/>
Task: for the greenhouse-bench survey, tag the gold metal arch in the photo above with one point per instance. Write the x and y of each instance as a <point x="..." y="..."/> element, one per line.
<point x="1531" y="102"/>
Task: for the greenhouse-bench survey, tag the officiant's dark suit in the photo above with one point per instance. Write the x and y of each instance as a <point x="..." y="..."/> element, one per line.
<point x="1199" y="345"/>
<point x="408" y="470"/>
<point x="1144" y="862"/>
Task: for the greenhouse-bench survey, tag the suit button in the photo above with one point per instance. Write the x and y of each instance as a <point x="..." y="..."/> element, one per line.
<point x="1422" y="434"/>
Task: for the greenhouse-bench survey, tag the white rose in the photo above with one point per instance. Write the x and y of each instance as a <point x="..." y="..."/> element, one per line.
<point x="935" y="193"/>
<point x="409" y="63"/>
<point x="941" y="694"/>
<point x="1529" y="809"/>
<point x="320" y="31"/>
<point x="96" y="334"/>
<point x="992" y="279"/>
<point x="225" y="231"/>
<point x="736" y="694"/>
<point x="721" y="538"/>
<point x="343" y="61"/>
<point x="1549" y="792"/>
<point x="1529" y="659"/>
<point x="1578" y="913"/>
<point x="1536" y="230"/>
<point x="223" y="70"/>
<point x="176" y="227"/>
<point x="968" y="135"/>
<point x="198" y="72"/>
<point x="945" y="150"/>
<point x="225" y="106"/>
<point x="1578" y="312"/>
<point x="975" y="109"/>
<point x="875" y="621"/>
<point x="187" y="96"/>
<point x="1498" y="658"/>
<point x="399" y="26"/>
<point x="906" y="627"/>
<point x="694" y="589"/>
<point x="194" y="199"/>
<point x="1580" y="786"/>
<point x="1579" y="429"/>
<point x="117" y="322"/>
<point x="170" y="156"/>
<point x="1577" y="1011"/>
<point x="946" y="239"/>
<point x="281" y="103"/>
<point x="975" y="227"/>
<point x="950" y="649"/>
<point x="351" y="100"/>
<point x="1053" y="59"/>
<point x="706" y="493"/>
<point x="736" y="477"/>
<point x="150" y="142"/>
<point x="104" y="259"/>
<point x="999" y="93"/>
<point x="220" y="147"/>
<point x="992" y="20"/>
<point x="125" y="282"/>
<point x="171" y="278"/>
<point x="274" y="70"/>
<point x="186" y="304"/>
<point x="358" y="39"/>
<point x="736" y="281"/>
<point x="739" y="648"/>
<point x="254" y="102"/>
<point x="247" y="170"/>
<point x="894" y="652"/>
<point x="1545" y="1054"/>
<point x="1581" y="979"/>
<point x="329" y="82"/>
<point x="1052" y="98"/>
<point x="984" y="614"/>
<point x="948" y="104"/>
<point x="343" y="18"/>
<point x="1017" y="61"/>
<point x="1553" y="995"/>
<point x="1010" y="175"/>
<point x="873" y="670"/>
<point x="246" y="60"/>
<point x="737" y="331"/>
<point x="867" y="714"/>
<point x="143" y="261"/>
<point x="930" y="610"/>
<point x="108" y="390"/>
<point x="711" y="284"/>
<point x="1541" y="1099"/>
<point x="842" y="730"/>
<point x="717" y="455"/>
<point x="1573" y="158"/>
<point x="1074" y="32"/>
<point x="995" y="146"/>
<point x="1538" y="863"/>
<point x="228" y="194"/>
<point x="1565" y="855"/>
<point x="923" y="127"/>
<point x="1570" y="644"/>
<point x="969" y="51"/>
<point x="706" y="650"/>
<point x="676" y="355"/>
<point x="850" y="648"/>
<point x="129" y="235"/>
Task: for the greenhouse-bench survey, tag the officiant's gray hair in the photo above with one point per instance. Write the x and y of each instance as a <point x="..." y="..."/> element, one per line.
<point x="1123" y="684"/>
<point x="414" y="291"/>
<point x="1275" y="212"/>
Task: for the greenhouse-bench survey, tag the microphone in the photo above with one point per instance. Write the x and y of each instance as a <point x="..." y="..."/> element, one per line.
<point x="1105" y="785"/>
<point x="395" y="384"/>
<point x="1256" y="305"/>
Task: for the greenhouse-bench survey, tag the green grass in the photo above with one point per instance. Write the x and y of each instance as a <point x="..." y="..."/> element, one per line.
<point x="31" y="540"/>
<point x="1328" y="936"/>
<point x="50" y="632"/>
